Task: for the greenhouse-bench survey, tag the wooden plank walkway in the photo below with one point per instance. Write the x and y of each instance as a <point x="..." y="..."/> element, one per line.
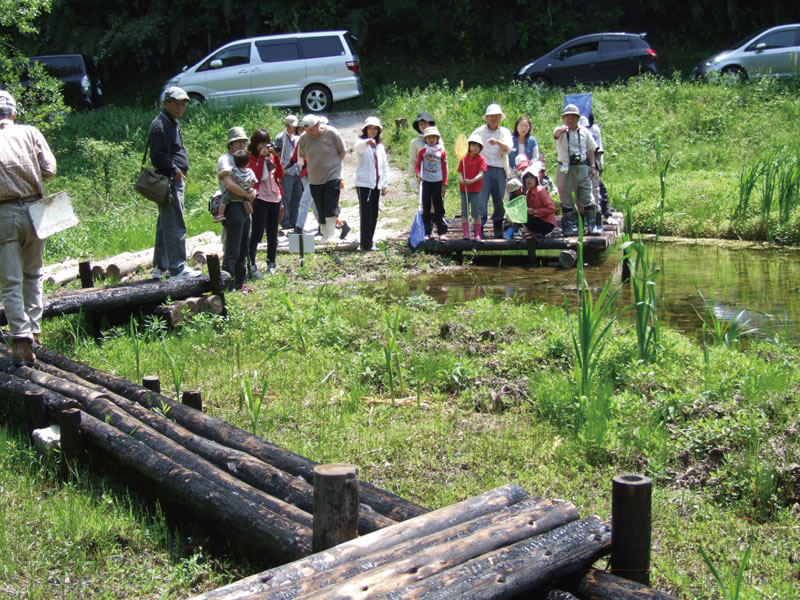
<point x="454" y="245"/>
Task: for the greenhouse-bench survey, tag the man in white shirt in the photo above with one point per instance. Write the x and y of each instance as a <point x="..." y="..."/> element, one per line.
<point x="497" y="144"/>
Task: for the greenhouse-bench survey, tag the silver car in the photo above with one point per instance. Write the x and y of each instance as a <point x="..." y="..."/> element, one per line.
<point x="773" y="52"/>
<point x="311" y="70"/>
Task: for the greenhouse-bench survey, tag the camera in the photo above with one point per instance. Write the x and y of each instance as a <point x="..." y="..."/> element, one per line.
<point x="575" y="159"/>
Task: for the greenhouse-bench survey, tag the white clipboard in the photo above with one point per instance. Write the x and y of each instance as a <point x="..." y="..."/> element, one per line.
<point x="52" y="214"/>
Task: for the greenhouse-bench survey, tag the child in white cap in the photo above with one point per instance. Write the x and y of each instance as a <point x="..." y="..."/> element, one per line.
<point x="431" y="170"/>
<point x="470" y="179"/>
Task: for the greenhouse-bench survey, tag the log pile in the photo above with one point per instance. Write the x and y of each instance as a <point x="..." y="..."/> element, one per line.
<point x="238" y="482"/>
<point x="500" y="544"/>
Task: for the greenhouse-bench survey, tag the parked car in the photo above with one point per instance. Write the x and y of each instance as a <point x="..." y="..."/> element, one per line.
<point x="311" y="70"/>
<point x="595" y="58"/>
<point x="82" y="86"/>
<point x="774" y="51"/>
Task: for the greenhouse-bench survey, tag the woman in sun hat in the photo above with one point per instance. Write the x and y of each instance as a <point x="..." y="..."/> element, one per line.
<point x="497" y="144"/>
<point x="371" y="177"/>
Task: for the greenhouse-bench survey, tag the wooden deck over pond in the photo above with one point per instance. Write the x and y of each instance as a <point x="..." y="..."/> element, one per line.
<point x="454" y="245"/>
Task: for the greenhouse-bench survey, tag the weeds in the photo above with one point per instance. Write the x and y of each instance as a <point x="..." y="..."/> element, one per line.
<point x="177" y="370"/>
<point x="391" y="351"/>
<point x="719" y="328"/>
<point x="252" y="401"/>
<point x="733" y="589"/>
<point x="297" y="324"/>
<point x="136" y="345"/>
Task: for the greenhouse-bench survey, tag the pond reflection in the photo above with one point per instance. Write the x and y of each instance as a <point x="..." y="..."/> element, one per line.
<point x="759" y="286"/>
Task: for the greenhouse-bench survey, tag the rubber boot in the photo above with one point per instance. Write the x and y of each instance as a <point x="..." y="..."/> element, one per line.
<point x="498" y="228"/>
<point x="478" y="229"/>
<point x="328" y="230"/>
<point x="570" y="223"/>
<point x="465" y="230"/>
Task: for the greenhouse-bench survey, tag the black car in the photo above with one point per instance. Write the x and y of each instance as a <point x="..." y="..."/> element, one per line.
<point x="595" y="58"/>
<point x="82" y="86"/>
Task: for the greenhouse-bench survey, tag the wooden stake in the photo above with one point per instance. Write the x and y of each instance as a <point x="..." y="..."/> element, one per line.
<point x="192" y="398"/>
<point x="335" y="505"/>
<point x="631" y="499"/>
<point x="152" y="383"/>
<point x="35" y="410"/>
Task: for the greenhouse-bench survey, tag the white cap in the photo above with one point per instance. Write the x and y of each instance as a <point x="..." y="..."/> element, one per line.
<point x="494" y="109"/>
<point x="309" y="121"/>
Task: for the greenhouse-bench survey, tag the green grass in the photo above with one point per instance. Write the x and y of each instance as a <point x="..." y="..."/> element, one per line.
<point x="496" y="404"/>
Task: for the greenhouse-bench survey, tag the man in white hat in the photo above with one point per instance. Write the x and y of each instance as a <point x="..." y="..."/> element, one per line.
<point x="575" y="146"/>
<point x="25" y="163"/>
<point x="323" y="149"/>
<point x="497" y="144"/>
<point x="285" y="143"/>
<point x="169" y="158"/>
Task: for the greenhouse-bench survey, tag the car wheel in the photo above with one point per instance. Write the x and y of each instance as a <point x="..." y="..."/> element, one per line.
<point x="540" y="82"/>
<point x="735" y="72"/>
<point x="316" y="98"/>
<point x="196" y="99"/>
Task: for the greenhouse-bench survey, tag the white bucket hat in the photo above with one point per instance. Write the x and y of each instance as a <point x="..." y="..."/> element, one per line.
<point x="373" y="121"/>
<point x="431" y="131"/>
<point x="475" y="139"/>
<point x="494" y="109"/>
<point x="512" y="185"/>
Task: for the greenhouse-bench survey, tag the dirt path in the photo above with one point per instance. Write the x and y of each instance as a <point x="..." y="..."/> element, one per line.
<point x="390" y="225"/>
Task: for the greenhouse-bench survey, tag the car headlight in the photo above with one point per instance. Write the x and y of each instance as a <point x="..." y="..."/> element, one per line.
<point x="719" y="58"/>
<point x="85" y="87"/>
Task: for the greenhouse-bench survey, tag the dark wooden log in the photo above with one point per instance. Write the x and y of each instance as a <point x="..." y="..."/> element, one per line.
<point x="192" y="399"/>
<point x="35" y="410"/>
<point x="85" y="274"/>
<point x="280" y="583"/>
<point x="174" y="313"/>
<point x="218" y="282"/>
<point x="152" y="383"/>
<point x="12" y="395"/>
<point x="171" y="314"/>
<point x="631" y="499"/>
<point x="101" y="407"/>
<point x="124" y="295"/>
<point x="599" y="585"/>
<point x="437" y="560"/>
<point x="280" y="538"/>
<point x="516" y="569"/>
<point x="214" y="304"/>
<point x="335" y="505"/>
<point x="410" y="534"/>
<point x="383" y="502"/>
<point x="567" y="258"/>
<point x="69" y="421"/>
<point x="244" y="467"/>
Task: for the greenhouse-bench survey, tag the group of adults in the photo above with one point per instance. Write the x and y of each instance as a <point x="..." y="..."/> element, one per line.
<point x="275" y="200"/>
<point x="504" y="151"/>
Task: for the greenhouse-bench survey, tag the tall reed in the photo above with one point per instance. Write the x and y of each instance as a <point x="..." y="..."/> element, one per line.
<point x="748" y="178"/>
<point x="644" y="272"/>
<point x="733" y="590"/>
<point x="663" y="163"/>
<point x="391" y="351"/>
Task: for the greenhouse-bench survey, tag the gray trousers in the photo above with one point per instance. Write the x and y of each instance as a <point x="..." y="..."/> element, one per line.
<point x="292" y="191"/>
<point x="20" y="270"/>
<point x="575" y="181"/>
<point x="169" y="251"/>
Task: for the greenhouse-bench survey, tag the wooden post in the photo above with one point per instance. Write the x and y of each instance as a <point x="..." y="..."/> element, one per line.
<point x="193" y="399"/>
<point x="35" y="410"/>
<point x="215" y="275"/>
<point x="335" y="505"/>
<point x="532" y="252"/>
<point x="69" y="421"/>
<point x="85" y="274"/>
<point x="631" y="498"/>
<point x="152" y="383"/>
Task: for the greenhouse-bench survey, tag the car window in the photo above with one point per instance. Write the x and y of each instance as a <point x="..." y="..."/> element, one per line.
<point x="278" y="51"/>
<point x="230" y="57"/>
<point x="327" y="45"/>
<point x="61" y="66"/>
<point x="619" y="45"/>
<point x="581" y="48"/>
<point x="776" y="39"/>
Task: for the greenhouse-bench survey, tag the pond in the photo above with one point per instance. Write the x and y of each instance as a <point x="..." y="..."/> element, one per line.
<point x="762" y="285"/>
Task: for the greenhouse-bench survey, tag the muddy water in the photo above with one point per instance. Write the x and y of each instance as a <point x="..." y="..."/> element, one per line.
<point x="763" y="284"/>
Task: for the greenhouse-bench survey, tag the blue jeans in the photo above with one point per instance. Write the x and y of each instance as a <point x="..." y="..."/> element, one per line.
<point x="169" y="251"/>
<point x="292" y="191"/>
<point x="494" y="183"/>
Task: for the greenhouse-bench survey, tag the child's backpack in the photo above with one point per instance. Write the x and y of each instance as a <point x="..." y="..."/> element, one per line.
<point x="213" y="203"/>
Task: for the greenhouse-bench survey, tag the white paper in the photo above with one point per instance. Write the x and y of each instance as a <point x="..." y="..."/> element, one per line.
<point x="52" y="214"/>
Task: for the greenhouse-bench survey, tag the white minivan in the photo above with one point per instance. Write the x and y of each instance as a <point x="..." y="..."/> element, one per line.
<point x="311" y="70"/>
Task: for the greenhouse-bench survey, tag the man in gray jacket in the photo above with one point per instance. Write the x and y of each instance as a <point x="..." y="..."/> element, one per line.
<point x="285" y="144"/>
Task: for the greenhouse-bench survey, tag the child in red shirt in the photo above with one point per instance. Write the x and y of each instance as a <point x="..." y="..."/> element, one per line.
<point x="541" y="210"/>
<point x="470" y="180"/>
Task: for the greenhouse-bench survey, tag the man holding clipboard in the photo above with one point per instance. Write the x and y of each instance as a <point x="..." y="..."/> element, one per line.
<point x="26" y="161"/>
